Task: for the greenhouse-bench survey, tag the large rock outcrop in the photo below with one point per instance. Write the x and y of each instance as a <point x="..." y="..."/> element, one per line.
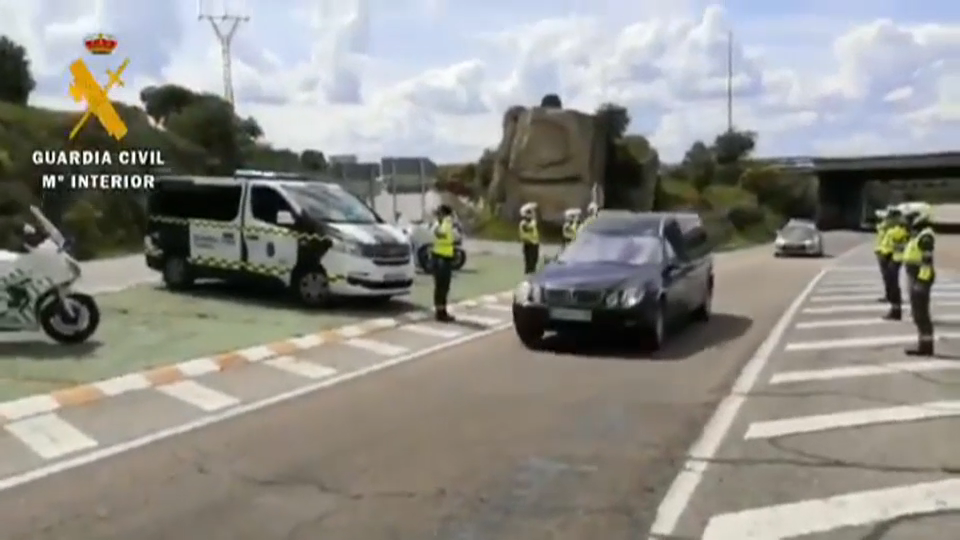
<point x="554" y="157"/>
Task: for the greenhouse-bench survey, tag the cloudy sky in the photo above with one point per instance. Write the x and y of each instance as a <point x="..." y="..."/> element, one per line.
<point x="433" y="77"/>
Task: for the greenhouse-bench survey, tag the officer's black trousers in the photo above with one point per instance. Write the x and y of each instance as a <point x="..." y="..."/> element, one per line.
<point x="920" y="309"/>
<point x="531" y="254"/>
<point x="891" y="282"/>
<point x="442" y="275"/>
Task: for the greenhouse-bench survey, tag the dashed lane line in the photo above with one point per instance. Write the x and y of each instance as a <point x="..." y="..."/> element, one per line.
<point x="301" y="368"/>
<point x="49" y="436"/>
<point x="198" y="395"/>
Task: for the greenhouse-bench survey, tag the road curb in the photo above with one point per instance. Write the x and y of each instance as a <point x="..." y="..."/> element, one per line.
<point x="88" y="393"/>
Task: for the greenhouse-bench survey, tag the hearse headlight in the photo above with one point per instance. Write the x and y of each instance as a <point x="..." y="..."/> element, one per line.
<point x="613" y="299"/>
<point x="631" y="297"/>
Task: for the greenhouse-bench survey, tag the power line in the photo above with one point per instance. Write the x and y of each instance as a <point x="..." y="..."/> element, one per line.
<point x="225" y="27"/>
<point x="730" y="81"/>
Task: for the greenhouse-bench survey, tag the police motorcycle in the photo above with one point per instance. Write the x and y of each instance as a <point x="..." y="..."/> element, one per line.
<point x="36" y="288"/>
<point x="420" y="234"/>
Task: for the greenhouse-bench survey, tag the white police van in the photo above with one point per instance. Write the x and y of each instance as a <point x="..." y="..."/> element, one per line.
<point x="312" y="237"/>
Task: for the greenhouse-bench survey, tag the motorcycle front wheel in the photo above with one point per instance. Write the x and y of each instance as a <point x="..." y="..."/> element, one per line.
<point x="459" y="259"/>
<point x="57" y="322"/>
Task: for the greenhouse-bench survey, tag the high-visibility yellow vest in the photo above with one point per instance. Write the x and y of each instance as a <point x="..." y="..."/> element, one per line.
<point x="529" y="234"/>
<point x="570" y="231"/>
<point x="913" y="257"/>
<point x="444" y="238"/>
<point x="895" y="239"/>
<point x="878" y="245"/>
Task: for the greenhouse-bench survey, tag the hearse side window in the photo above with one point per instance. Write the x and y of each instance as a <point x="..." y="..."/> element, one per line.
<point x="697" y="241"/>
<point x="188" y="200"/>
<point x="674" y="236"/>
<point x="265" y="202"/>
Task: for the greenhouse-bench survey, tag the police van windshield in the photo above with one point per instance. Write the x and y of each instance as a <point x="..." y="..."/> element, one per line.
<point x="331" y="204"/>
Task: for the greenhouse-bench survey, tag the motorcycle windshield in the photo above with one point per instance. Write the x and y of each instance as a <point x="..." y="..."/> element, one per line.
<point x="48" y="227"/>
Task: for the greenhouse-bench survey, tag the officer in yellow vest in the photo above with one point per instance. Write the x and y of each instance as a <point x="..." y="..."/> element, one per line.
<point x="444" y="238"/>
<point x="881" y="226"/>
<point x="592" y="210"/>
<point x="918" y="263"/>
<point x="529" y="231"/>
<point x="571" y="222"/>
<point x="895" y="238"/>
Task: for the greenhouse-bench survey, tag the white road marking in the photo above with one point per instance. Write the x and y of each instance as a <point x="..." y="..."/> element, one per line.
<point x="848" y="372"/>
<point x="122" y="384"/>
<point x="301" y="368"/>
<point x="479" y="320"/>
<point x="377" y="347"/>
<point x="197" y="367"/>
<point x="432" y="331"/>
<point x="862" y="342"/>
<point x="497" y="307"/>
<point x="854" y="308"/>
<point x="823" y="515"/>
<point x="705" y="448"/>
<point x="198" y="395"/>
<point x="867" y="297"/>
<point x="101" y="454"/>
<point x="49" y="436"/>
<point x="855" y="268"/>
<point x="256" y="354"/>
<point x="870" y="321"/>
<point x="28" y="406"/>
<point x="382" y="323"/>
<point x="864" y="417"/>
<point x="878" y="288"/>
<point x="352" y="331"/>
<point x="308" y="341"/>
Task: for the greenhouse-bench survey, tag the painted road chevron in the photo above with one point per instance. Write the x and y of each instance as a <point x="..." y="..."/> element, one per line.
<point x="842" y="436"/>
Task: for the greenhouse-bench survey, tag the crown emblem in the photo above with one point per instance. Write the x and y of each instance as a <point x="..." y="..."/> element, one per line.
<point x="100" y="43"/>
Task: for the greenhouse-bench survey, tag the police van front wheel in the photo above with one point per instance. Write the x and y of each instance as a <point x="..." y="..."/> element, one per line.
<point x="177" y="274"/>
<point x="312" y="288"/>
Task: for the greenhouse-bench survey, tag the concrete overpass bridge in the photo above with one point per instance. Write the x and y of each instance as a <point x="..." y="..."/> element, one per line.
<point x="851" y="187"/>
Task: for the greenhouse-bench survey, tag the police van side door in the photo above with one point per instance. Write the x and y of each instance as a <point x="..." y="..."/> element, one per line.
<point x="214" y="229"/>
<point x="270" y="246"/>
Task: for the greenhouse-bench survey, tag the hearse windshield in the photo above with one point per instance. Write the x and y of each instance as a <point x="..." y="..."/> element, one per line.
<point x="331" y="204"/>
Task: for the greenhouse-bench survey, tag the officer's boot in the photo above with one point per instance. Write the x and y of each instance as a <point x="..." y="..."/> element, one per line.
<point x="895" y="313"/>
<point x="924" y="347"/>
<point x="442" y="315"/>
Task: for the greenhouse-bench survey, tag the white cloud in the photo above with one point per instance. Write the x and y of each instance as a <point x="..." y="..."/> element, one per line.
<point x="417" y="76"/>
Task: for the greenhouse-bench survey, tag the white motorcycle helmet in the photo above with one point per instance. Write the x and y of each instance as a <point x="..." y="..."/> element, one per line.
<point x="593" y="209"/>
<point x="528" y="210"/>
<point x="572" y="214"/>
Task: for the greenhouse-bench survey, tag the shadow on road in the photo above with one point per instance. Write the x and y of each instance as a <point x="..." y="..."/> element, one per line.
<point x="682" y="343"/>
<point x="274" y="299"/>
<point x="39" y="349"/>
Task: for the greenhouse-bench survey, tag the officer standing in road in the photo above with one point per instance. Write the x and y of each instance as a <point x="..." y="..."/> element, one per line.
<point x="893" y="242"/>
<point x="444" y="238"/>
<point x="592" y="210"/>
<point x="878" y="242"/>
<point x="571" y="222"/>
<point x="529" y="231"/>
<point x="918" y="262"/>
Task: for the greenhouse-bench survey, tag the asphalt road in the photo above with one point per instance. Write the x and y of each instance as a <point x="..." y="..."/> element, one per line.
<point x="479" y="442"/>
<point x="837" y="434"/>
